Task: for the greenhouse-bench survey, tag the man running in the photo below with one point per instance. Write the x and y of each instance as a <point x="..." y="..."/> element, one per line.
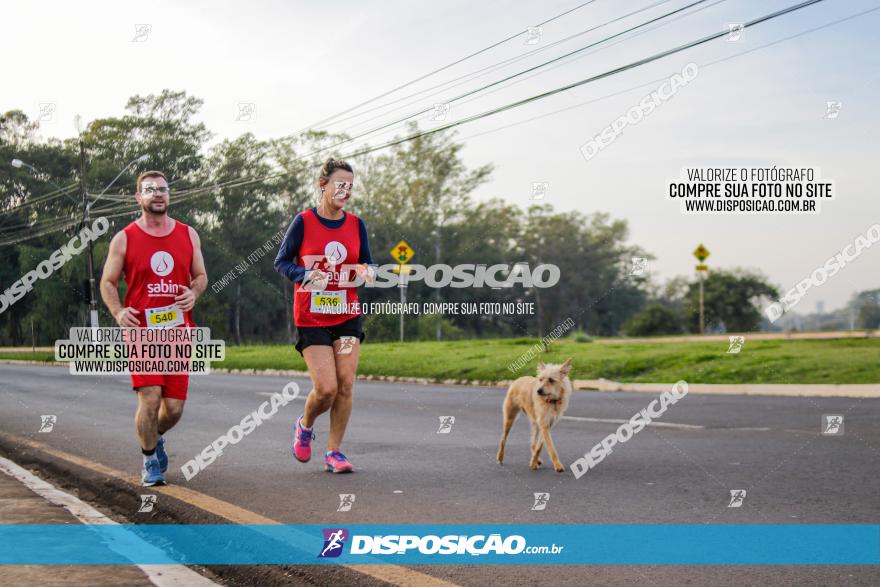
<point x="323" y="249"/>
<point x="161" y="260"/>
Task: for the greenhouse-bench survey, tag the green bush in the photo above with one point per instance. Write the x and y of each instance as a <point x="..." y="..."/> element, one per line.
<point x="581" y="336"/>
<point x="653" y="319"/>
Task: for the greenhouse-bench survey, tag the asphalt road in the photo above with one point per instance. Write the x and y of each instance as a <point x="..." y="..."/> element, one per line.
<point x="408" y="472"/>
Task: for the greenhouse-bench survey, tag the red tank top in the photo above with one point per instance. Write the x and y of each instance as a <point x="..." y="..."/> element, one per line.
<point x="335" y="251"/>
<point x="155" y="268"/>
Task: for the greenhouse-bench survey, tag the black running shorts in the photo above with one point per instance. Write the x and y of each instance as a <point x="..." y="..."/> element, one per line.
<point x="325" y="335"/>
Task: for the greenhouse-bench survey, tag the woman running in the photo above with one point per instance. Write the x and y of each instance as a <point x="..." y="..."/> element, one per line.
<point x="323" y="249"/>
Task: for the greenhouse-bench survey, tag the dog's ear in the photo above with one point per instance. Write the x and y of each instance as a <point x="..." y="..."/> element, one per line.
<point x="540" y="365"/>
<point x="566" y="366"/>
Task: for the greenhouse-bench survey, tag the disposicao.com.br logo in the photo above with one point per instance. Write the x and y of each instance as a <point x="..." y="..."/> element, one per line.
<point x="334" y="541"/>
<point x="429" y="544"/>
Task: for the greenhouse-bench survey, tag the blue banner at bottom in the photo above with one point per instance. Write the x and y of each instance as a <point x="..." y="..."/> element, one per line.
<point x="455" y="544"/>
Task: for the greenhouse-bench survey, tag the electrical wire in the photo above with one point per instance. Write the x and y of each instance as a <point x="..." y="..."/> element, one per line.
<point x="444" y="68"/>
<point x="490" y="68"/>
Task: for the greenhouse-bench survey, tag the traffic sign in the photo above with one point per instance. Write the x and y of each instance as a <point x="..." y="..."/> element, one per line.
<point x="701" y="252"/>
<point x="702" y="267"/>
<point x="402" y="253"/>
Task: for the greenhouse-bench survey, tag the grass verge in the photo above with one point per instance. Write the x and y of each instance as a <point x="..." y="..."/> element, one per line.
<point x="776" y="361"/>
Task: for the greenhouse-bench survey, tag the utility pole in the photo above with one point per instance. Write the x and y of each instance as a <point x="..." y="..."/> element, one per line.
<point x="93" y="302"/>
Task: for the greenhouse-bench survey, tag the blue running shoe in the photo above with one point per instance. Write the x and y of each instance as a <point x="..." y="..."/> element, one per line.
<point x="161" y="454"/>
<point x="152" y="473"/>
<point x="335" y="462"/>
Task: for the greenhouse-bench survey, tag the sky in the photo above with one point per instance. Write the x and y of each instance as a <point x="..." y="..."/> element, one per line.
<point x="299" y="62"/>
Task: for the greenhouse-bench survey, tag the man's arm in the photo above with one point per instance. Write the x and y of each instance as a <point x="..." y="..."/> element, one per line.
<point x="198" y="276"/>
<point x="110" y="282"/>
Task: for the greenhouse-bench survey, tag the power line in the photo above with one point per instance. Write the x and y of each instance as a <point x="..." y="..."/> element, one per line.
<point x="56" y="193"/>
<point x="489" y="68"/>
<point x="609" y="46"/>
<point x="658" y="80"/>
<point x="588" y="80"/>
<point x="444" y="68"/>
<point x="536" y="74"/>
<point x="510" y="77"/>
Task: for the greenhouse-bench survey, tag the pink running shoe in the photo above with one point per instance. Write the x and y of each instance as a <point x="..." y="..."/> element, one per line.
<point x="302" y="442"/>
<point x="335" y="462"/>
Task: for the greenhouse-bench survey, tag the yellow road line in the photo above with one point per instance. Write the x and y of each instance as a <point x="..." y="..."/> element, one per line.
<point x="394" y="574"/>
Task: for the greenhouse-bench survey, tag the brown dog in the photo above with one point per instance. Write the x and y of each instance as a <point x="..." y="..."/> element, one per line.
<point x="544" y="399"/>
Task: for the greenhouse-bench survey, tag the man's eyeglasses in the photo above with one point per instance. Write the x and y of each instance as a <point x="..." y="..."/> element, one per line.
<point x="152" y="191"/>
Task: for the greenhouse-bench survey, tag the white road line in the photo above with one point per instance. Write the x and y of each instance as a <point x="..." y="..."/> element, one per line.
<point x="607" y="420"/>
<point x="159" y="575"/>
<point x="616" y="421"/>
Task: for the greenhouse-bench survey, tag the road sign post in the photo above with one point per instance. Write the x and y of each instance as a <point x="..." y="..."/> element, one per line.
<point x="701" y="253"/>
<point x="702" y="319"/>
<point x="402" y="253"/>
<point x="402" y="298"/>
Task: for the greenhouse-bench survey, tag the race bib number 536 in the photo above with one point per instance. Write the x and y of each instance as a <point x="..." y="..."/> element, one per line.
<point x="328" y="302"/>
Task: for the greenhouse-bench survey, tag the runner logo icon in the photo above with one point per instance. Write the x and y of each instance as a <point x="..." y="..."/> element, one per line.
<point x="737" y="497"/>
<point x="346" y="500"/>
<point x="541" y="500"/>
<point x="334" y="540"/>
<point x="47" y="423"/>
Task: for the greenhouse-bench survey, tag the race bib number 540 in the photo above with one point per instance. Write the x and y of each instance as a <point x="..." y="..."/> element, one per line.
<point x="164" y="317"/>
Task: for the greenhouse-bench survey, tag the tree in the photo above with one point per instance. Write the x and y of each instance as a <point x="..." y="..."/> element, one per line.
<point x="16" y="130"/>
<point x="730" y="299"/>
<point x="163" y="127"/>
<point x="865" y="306"/>
<point x="595" y="289"/>
<point x="653" y="319"/>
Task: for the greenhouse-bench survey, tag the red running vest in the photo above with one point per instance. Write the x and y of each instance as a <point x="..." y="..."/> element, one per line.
<point x="156" y="267"/>
<point x="333" y="250"/>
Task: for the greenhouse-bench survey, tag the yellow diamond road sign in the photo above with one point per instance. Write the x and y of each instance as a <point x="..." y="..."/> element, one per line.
<point x="701" y="252"/>
<point x="402" y="252"/>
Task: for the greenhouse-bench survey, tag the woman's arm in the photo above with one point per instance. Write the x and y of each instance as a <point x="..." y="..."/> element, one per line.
<point x="365" y="256"/>
<point x="288" y="251"/>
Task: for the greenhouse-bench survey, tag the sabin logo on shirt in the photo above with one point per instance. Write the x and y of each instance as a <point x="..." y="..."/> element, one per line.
<point x="161" y="263"/>
<point x="335" y="252"/>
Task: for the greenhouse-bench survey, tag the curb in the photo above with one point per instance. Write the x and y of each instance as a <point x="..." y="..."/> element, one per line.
<point x="852" y="390"/>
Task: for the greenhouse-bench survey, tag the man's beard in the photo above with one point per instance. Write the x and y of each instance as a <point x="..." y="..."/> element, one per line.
<point x="149" y="208"/>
